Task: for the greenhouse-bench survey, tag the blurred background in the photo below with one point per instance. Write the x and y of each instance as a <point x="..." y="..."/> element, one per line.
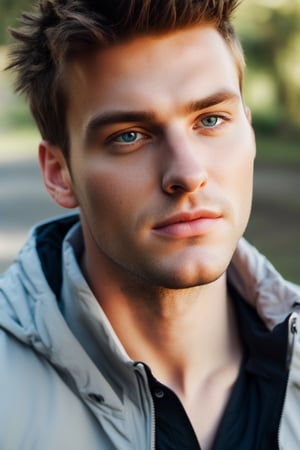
<point x="270" y="33"/>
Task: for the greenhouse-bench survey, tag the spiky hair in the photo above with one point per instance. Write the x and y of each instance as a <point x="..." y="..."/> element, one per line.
<point x="58" y="29"/>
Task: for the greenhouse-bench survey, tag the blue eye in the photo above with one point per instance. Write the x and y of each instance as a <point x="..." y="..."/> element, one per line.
<point x="128" y="141"/>
<point x="210" y="121"/>
<point x="128" y="138"/>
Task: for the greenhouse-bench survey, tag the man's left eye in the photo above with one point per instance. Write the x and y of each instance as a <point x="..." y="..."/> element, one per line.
<point x="210" y="121"/>
<point x="129" y="137"/>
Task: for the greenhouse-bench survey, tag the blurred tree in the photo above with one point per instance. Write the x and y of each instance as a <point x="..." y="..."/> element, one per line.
<point x="10" y="10"/>
<point x="270" y="31"/>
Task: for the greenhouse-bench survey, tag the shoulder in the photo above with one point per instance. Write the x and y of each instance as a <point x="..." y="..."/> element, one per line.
<point x="38" y="407"/>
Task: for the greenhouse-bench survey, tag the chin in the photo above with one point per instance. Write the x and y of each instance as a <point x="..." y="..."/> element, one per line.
<point x="200" y="280"/>
<point x="199" y="272"/>
<point x="186" y="279"/>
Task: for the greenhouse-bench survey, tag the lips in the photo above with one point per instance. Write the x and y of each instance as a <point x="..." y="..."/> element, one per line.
<point x="188" y="224"/>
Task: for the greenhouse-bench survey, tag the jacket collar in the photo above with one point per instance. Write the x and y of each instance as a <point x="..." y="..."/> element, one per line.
<point x="257" y="281"/>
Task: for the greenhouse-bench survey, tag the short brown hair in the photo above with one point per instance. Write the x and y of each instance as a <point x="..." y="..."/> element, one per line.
<point x="60" y="29"/>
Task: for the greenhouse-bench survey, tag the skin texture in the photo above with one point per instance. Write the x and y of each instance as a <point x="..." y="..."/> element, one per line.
<point x="176" y="165"/>
<point x="161" y="166"/>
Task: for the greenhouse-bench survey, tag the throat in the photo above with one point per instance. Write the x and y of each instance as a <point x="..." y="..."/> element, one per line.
<point x="202" y="400"/>
<point x="189" y="339"/>
<point x="182" y="335"/>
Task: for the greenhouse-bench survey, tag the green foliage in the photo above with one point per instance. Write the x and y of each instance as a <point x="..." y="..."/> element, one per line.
<point x="270" y="32"/>
<point x="10" y="11"/>
<point x="278" y="151"/>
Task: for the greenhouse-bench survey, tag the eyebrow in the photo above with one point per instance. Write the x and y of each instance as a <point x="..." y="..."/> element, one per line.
<point x="118" y="116"/>
<point x="212" y="100"/>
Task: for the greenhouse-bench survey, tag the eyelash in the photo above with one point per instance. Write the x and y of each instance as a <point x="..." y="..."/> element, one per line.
<point x="119" y="136"/>
<point x="220" y="118"/>
<point x="115" y="139"/>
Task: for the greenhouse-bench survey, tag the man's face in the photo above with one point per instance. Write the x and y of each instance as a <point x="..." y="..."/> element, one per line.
<point x="162" y="157"/>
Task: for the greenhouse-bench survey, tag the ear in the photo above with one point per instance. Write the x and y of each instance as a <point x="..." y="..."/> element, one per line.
<point x="56" y="175"/>
<point x="248" y="114"/>
<point x="249" y="117"/>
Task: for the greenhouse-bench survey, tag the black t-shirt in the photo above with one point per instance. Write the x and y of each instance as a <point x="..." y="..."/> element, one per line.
<point x="252" y="415"/>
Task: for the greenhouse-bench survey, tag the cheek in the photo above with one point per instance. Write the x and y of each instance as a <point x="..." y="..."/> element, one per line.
<point x="111" y="193"/>
<point x="237" y="171"/>
<point x="103" y="196"/>
<point x="242" y="184"/>
<point x="243" y="151"/>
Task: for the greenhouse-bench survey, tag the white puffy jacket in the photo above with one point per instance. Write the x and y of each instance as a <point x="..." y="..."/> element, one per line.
<point x="53" y="397"/>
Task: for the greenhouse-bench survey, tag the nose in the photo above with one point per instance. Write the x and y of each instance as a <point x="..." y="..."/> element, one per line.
<point x="184" y="171"/>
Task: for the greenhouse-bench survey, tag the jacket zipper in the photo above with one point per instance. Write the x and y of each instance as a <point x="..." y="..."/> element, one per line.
<point x="293" y="331"/>
<point x="141" y="372"/>
<point x="153" y="425"/>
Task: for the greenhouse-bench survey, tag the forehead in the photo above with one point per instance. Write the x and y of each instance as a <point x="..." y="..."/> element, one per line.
<point x="152" y="72"/>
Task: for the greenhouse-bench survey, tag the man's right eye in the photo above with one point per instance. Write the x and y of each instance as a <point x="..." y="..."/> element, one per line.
<point x="129" y="137"/>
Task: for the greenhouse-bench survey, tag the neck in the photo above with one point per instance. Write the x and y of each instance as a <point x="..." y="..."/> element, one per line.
<point x="185" y="336"/>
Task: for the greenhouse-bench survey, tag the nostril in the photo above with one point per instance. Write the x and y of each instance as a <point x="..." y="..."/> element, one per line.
<point x="174" y="189"/>
<point x="184" y="184"/>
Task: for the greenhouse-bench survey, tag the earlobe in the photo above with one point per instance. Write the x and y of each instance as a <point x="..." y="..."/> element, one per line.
<point x="56" y="175"/>
<point x="249" y="117"/>
<point x="248" y="114"/>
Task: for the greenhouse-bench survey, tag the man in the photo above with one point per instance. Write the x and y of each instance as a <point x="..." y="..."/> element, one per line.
<point x="146" y="321"/>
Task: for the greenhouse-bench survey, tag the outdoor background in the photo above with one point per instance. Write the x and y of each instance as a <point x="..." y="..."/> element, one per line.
<point x="270" y="32"/>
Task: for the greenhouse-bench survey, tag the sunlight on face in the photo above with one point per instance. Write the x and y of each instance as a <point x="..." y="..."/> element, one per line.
<point x="162" y="157"/>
